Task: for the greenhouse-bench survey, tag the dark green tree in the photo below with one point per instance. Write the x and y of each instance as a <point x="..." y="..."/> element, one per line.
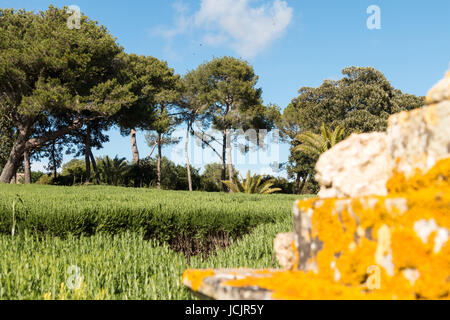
<point x="228" y="87"/>
<point x="6" y="138"/>
<point x="167" y="95"/>
<point x="193" y="110"/>
<point x="149" y="79"/>
<point x="361" y="101"/>
<point x="53" y="78"/>
<point x="174" y="177"/>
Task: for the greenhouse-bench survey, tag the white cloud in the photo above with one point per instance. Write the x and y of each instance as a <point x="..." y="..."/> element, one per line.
<point x="249" y="30"/>
<point x="214" y="39"/>
<point x="246" y="29"/>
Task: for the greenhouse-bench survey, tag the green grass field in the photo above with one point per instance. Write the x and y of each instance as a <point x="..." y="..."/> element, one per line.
<point x="116" y="243"/>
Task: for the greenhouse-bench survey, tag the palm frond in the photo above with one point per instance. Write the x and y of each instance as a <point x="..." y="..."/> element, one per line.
<point x="252" y="184"/>
<point x="337" y="136"/>
<point x="326" y="134"/>
<point x="232" y="185"/>
<point x="316" y="144"/>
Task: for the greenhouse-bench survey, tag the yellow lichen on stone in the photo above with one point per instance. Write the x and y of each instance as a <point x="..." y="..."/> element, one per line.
<point x="194" y="278"/>
<point x="436" y="177"/>
<point x="403" y="236"/>
<point x="396" y="246"/>
<point x="298" y="285"/>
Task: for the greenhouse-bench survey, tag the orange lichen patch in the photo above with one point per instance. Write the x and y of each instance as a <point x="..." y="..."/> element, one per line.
<point x="298" y="285"/>
<point x="306" y="204"/>
<point x="388" y="232"/>
<point x="409" y="252"/>
<point x="195" y="277"/>
<point x="437" y="177"/>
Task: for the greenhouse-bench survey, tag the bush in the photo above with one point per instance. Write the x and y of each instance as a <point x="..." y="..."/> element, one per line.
<point x="44" y="179"/>
<point x="212" y="176"/>
<point x="35" y="176"/>
<point x="75" y="168"/>
<point x="63" y="180"/>
<point x="282" y="183"/>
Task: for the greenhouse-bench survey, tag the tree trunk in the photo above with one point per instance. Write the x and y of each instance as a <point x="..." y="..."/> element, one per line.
<point x="53" y="156"/>
<point x="305" y="179"/>
<point x="230" y="159"/>
<point x="27" y="166"/>
<point x="21" y="143"/>
<point x="87" y="152"/>
<point x="159" y="161"/>
<point x="134" y="148"/>
<point x="188" y="164"/>
<point x="15" y="156"/>
<point x="224" y="153"/>
<point x="297" y="184"/>
<point x="88" y="167"/>
<point x="94" y="166"/>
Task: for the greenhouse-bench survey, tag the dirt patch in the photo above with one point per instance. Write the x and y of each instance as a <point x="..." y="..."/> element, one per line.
<point x="206" y="246"/>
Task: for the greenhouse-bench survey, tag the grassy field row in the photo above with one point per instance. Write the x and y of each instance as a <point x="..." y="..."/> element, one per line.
<point x="115" y="243"/>
<point x="121" y="266"/>
<point x="160" y="215"/>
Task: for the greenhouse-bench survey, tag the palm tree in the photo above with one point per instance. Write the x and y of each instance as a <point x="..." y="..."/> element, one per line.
<point x="251" y="185"/>
<point x="113" y="170"/>
<point x="316" y="144"/>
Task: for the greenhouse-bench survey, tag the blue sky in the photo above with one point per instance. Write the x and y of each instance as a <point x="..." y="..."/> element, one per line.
<point x="290" y="43"/>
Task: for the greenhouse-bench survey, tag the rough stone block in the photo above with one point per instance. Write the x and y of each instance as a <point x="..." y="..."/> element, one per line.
<point x="211" y="284"/>
<point x="285" y="250"/>
<point x="440" y="92"/>
<point x="419" y="138"/>
<point x="355" y="167"/>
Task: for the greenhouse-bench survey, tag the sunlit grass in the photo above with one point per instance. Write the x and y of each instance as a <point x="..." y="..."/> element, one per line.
<point x="119" y="263"/>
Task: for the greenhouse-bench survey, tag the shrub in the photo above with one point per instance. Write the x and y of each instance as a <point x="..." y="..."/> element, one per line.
<point x="44" y="179"/>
